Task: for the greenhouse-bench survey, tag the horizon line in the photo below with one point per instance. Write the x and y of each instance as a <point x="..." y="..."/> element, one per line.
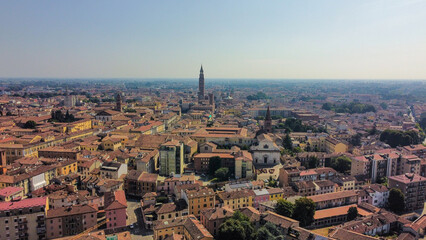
<point x="221" y="78"/>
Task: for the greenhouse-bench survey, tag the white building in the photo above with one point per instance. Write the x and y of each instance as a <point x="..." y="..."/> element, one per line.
<point x="374" y="194"/>
<point x="265" y="151"/>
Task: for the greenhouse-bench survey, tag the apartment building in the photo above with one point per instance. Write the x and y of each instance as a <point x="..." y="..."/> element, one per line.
<point x="70" y="221"/>
<point x="171" y="158"/>
<point x="413" y="186"/>
<point x="24" y="219"/>
<point x="198" y="200"/>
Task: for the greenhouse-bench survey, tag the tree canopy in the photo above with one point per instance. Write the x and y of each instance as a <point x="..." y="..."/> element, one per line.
<point x="304" y="211"/>
<point x="296" y="125"/>
<point x="341" y="164"/>
<point x="30" y="124"/>
<point x="284" y="208"/>
<point x="222" y="174"/>
<point x="400" y="138"/>
<point x="352" y="213"/>
<point x="58" y="116"/>
<point x="237" y="227"/>
<point x="396" y="200"/>
<point x="352" y="107"/>
<point x="214" y="164"/>
<point x="257" y="96"/>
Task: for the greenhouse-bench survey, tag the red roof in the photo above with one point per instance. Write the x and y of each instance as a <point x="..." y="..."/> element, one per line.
<point x="26" y="203"/>
<point x="7" y="191"/>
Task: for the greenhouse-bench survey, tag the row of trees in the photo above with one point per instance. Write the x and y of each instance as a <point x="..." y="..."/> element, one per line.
<point x="58" y="116"/>
<point x="296" y="125"/>
<point x="400" y="138"/>
<point x="353" y="107"/>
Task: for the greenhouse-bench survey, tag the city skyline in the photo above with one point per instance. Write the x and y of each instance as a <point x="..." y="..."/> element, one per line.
<point x="253" y="40"/>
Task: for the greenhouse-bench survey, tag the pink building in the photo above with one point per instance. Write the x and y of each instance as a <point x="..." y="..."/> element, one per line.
<point x="261" y="195"/>
<point x="116" y="212"/>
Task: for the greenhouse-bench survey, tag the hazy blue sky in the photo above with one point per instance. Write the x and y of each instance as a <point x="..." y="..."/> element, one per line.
<point x="356" y="39"/>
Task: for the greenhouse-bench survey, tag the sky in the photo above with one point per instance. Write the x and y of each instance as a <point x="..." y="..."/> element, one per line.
<point x="299" y="39"/>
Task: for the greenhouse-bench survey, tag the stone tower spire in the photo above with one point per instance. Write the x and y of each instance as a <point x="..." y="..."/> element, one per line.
<point x="201" y="85"/>
<point x="118" y="106"/>
<point x="268" y="121"/>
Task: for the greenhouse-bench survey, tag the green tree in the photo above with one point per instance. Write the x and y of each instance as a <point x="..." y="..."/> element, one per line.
<point x="356" y="139"/>
<point x="240" y="216"/>
<point x="284" y="208"/>
<point x="400" y="138"/>
<point x="313" y="162"/>
<point x="287" y="143"/>
<point x="327" y="106"/>
<point x="352" y="213"/>
<point x="30" y="124"/>
<point x="237" y="227"/>
<point x="304" y="211"/>
<point x="272" y="182"/>
<point x="269" y="231"/>
<point x="341" y="164"/>
<point x="396" y="200"/>
<point x="222" y="174"/>
<point x="231" y="229"/>
<point x="214" y="164"/>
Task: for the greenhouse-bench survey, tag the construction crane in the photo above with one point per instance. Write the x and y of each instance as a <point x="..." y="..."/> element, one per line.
<point x="90" y="229"/>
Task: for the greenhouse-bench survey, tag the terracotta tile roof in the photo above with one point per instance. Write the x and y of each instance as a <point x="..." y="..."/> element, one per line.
<point x="25" y="203"/>
<point x="7" y="191"/>
<point x="279" y="220"/>
<point x="342" y="234"/>
<point x="148" y="177"/>
<point x="196" y="229"/>
<point x="199" y="193"/>
<point x="236" y="194"/>
<point x="332" y="196"/>
<point x="72" y="210"/>
<point x="339" y="211"/>
<point x="252" y="213"/>
<point x="210" y="155"/>
<point x="407" y="178"/>
<point x="217" y="213"/>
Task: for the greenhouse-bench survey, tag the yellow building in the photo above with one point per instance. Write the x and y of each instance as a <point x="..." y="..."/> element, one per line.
<point x="187" y="227"/>
<point x="111" y="143"/>
<point x="317" y="142"/>
<point x="345" y="183"/>
<point x="67" y="167"/>
<point x="334" y="146"/>
<point x="80" y="125"/>
<point x="275" y="193"/>
<point x="15" y="151"/>
<point x="198" y="200"/>
<point x="237" y="199"/>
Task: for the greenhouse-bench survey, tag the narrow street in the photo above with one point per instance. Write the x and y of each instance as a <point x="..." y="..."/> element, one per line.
<point x="135" y="217"/>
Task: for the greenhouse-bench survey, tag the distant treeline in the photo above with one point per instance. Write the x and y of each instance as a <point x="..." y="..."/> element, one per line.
<point x="257" y="96"/>
<point x="353" y="107"/>
<point x="296" y="125"/>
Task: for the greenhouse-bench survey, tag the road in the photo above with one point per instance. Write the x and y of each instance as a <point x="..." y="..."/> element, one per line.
<point x="134" y="216"/>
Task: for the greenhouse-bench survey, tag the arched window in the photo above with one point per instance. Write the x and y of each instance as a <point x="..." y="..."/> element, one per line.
<point x="266" y="146"/>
